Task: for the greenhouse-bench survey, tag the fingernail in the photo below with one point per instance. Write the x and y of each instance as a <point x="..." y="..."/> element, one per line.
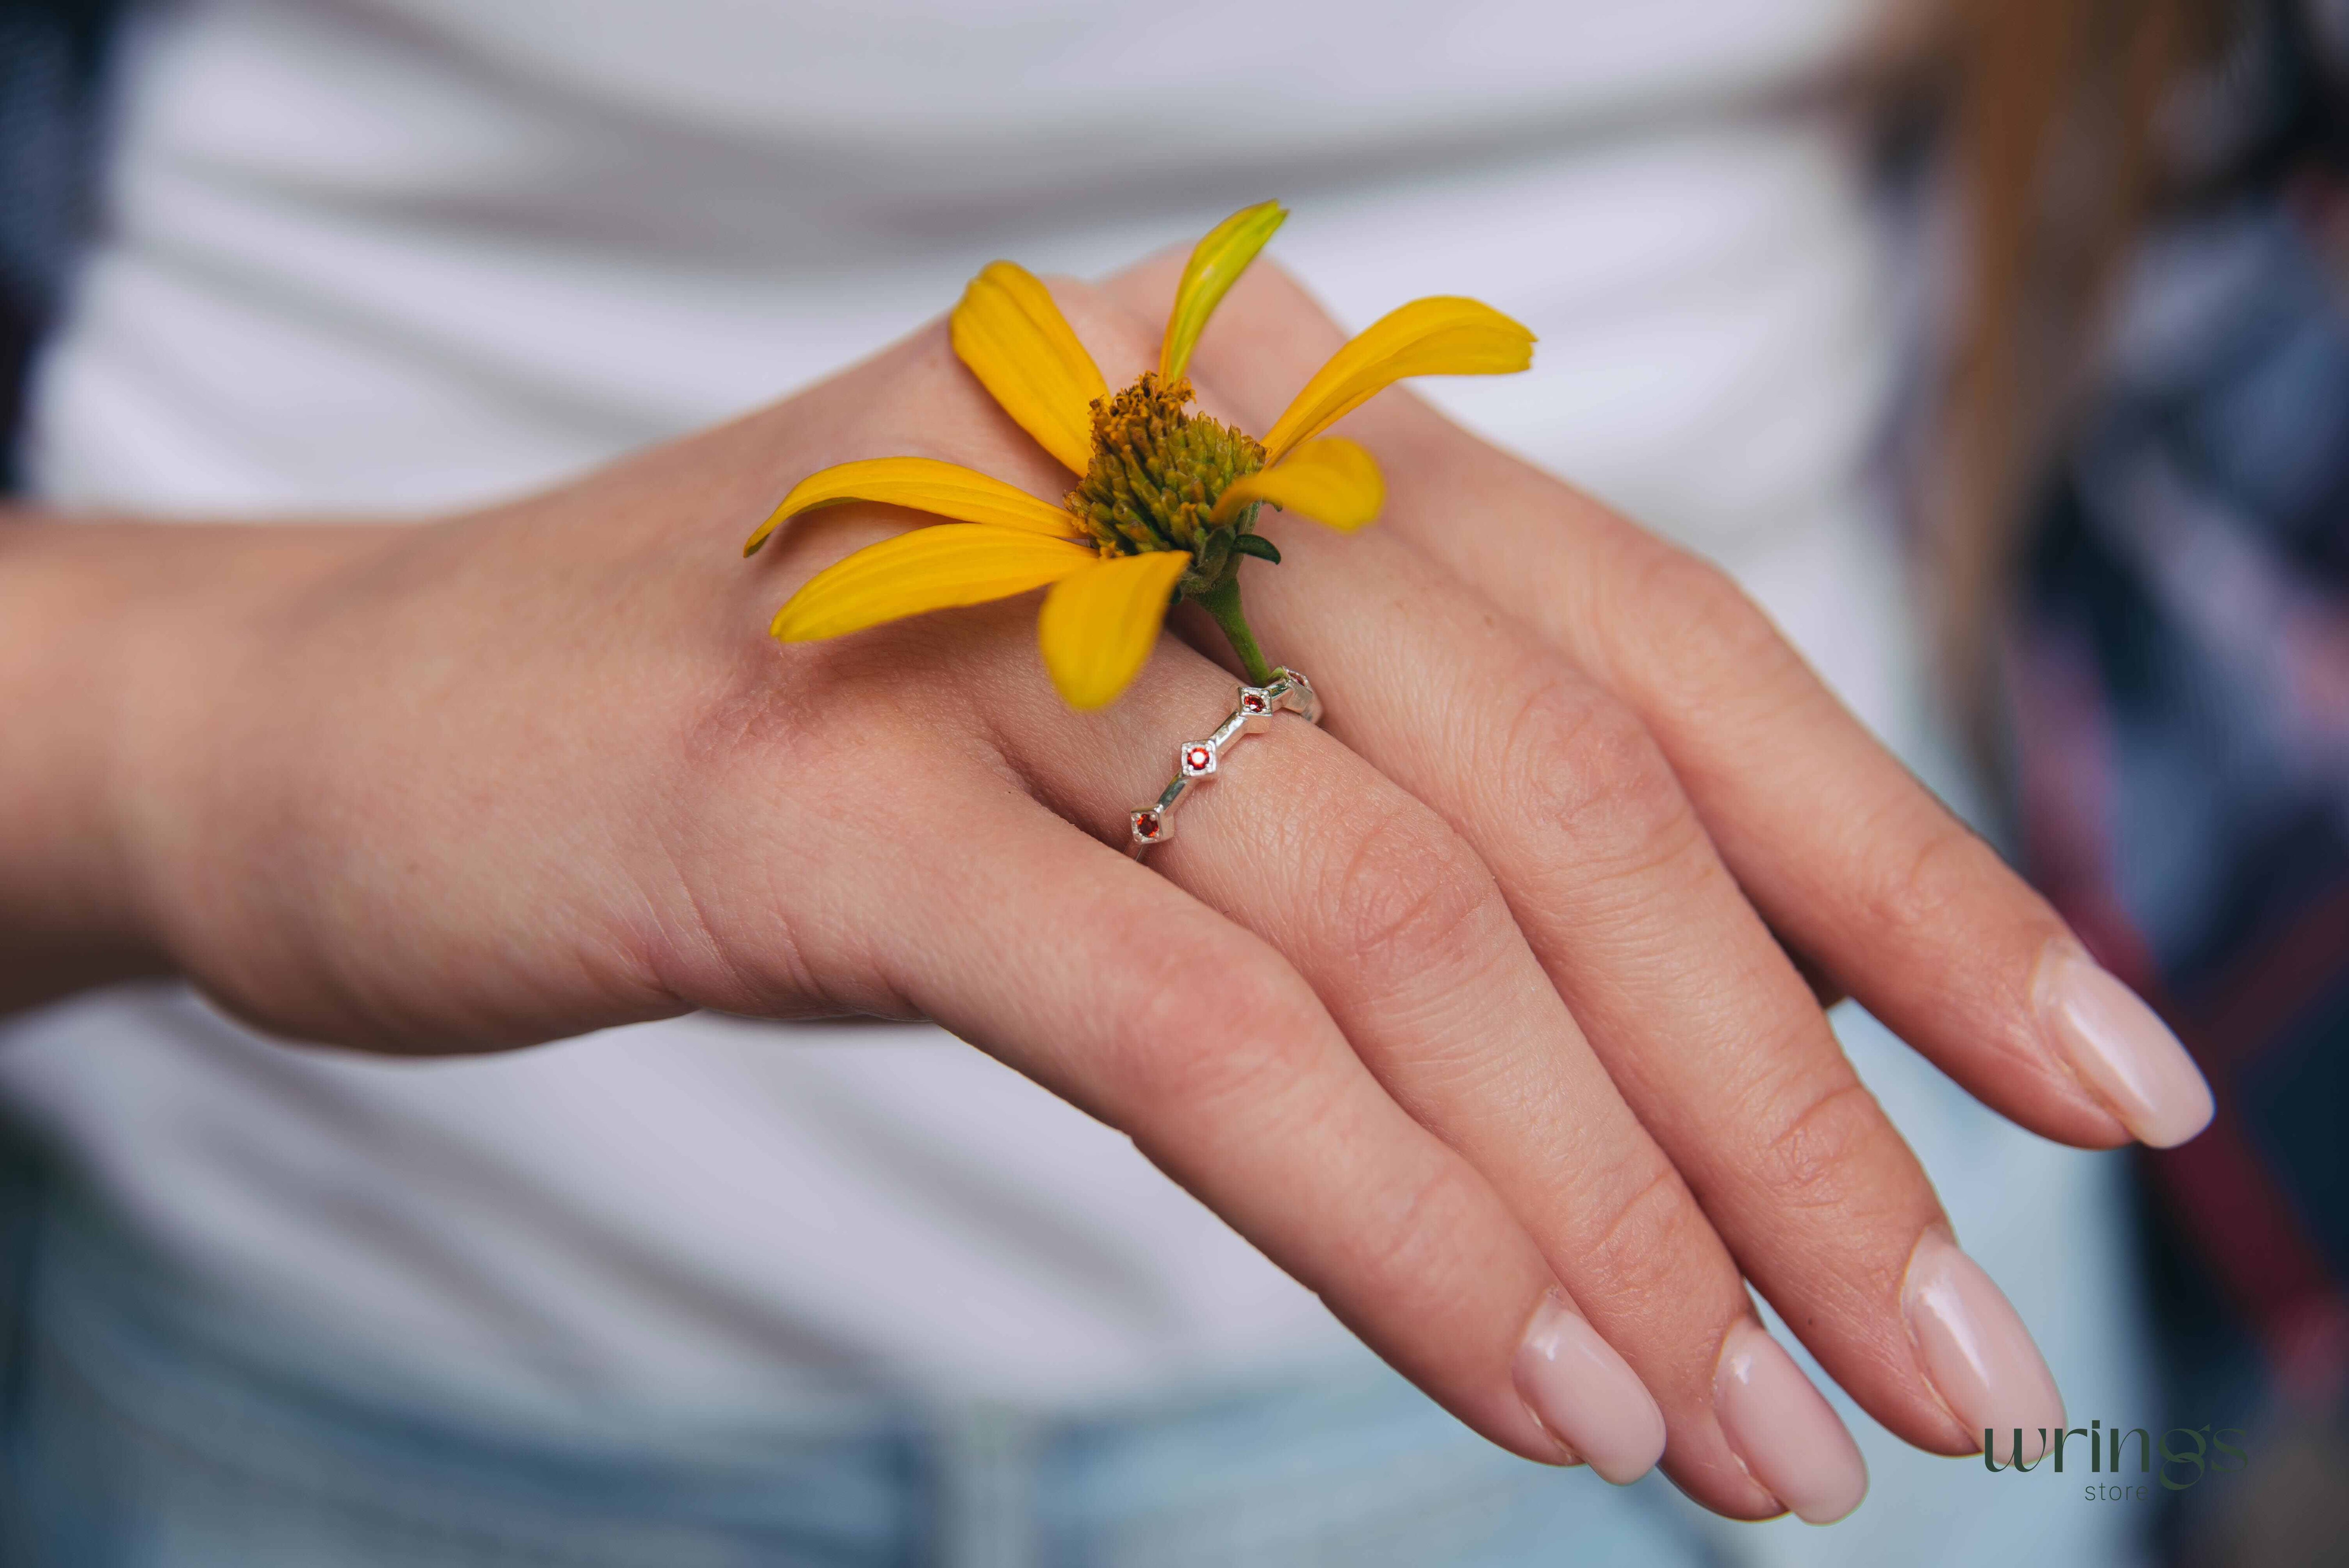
<point x="1586" y="1396"/>
<point x="2128" y="1057"/>
<point x="1783" y="1430"/>
<point x="1977" y="1353"/>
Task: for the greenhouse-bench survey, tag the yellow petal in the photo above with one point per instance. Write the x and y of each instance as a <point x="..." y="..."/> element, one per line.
<point x="1216" y="264"/>
<point x="1100" y="624"/>
<point x="928" y="569"/>
<point x="1330" y="480"/>
<point x="948" y="489"/>
<point x="1023" y="351"/>
<point x="1439" y="336"/>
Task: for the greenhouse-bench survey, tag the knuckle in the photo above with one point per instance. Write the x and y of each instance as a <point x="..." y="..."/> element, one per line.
<point x="924" y="372"/>
<point x="1815" y="1157"/>
<point x="1110" y="332"/>
<point x="1408" y="892"/>
<point x="1412" y="1238"/>
<point x="1583" y="763"/>
<point x="1646" y="1224"/>
<point x="1719" y="634"/>
<point x="1200" y="1034"/>
<point x="1919" y="895"/>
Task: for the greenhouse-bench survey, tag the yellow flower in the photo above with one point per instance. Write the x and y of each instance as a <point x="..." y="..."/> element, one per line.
<point x="1167" y="499"/>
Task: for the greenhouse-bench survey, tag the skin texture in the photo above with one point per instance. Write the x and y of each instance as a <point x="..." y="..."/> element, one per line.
<point x="1474" y="995"/>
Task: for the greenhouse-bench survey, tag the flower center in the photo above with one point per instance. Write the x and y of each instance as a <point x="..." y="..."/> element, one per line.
<point x="1157" y="471"/>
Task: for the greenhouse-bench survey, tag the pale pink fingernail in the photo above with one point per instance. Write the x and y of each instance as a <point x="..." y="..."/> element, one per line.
<point x="1974" y="1347"/>
<point x="2127" y="1057"/>
<point x="1586" y="1396"/>
<point x="1783" y="1430"/>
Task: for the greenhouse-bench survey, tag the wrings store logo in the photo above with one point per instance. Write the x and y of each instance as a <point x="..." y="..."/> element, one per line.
<point x="2186" y="1454"/>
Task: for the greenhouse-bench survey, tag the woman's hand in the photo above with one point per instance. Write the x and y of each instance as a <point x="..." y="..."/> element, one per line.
<point x="1463" y="1010"/>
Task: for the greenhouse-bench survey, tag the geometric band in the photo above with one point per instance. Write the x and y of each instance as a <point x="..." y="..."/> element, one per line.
<point x="1194" y="760"/>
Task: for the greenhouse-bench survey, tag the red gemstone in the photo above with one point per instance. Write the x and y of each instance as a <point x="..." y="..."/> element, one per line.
<point x="1252" y="702"/>
<point x="1148" y="825"/>
<point x="1198" y="757"/>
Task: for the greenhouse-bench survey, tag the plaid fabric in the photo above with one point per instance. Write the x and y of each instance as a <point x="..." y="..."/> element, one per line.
<point x="50" y="51"/>
<point x="2180" y="705"/>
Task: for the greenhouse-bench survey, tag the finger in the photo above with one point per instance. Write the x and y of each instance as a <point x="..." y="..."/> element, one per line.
<point x="1845" y="855"/>
<point x="1710" y="1035"/>
<point x="1112" y="988"/>
<point x="1410" y="944"/>
<point x="1403" y="935"/>
<point x="1259" y="1108"/>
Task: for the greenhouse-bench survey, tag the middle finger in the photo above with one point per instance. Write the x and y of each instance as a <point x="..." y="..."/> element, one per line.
<point x="1401" y="931"/>
<point x="1703" y="1023"/>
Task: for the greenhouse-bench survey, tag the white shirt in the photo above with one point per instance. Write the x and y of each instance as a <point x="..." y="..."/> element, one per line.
<point x="402" y="254"/>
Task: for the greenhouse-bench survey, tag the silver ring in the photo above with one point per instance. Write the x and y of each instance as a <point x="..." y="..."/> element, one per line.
<point x="1194" y="760"/>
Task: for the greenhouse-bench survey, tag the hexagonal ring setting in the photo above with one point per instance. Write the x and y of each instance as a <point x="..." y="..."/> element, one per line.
<point x="1288" y="692"/>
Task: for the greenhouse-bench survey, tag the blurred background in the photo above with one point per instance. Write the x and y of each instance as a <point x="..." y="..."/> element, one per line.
<point x="1999" y="346"/>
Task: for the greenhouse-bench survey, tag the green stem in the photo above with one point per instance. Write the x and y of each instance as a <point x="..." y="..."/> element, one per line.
<point x="1222" y="602"/>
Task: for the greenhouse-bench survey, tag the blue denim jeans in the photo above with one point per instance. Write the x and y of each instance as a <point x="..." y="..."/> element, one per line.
<point x="142" y="1431"/>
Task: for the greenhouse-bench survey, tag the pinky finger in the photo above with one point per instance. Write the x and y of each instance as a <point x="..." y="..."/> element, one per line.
<point x="1125" y="995"/>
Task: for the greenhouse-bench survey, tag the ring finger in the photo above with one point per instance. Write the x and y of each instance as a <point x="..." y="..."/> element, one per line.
<point x="1708" y="1030"/>
<point x="1398" y="927"/>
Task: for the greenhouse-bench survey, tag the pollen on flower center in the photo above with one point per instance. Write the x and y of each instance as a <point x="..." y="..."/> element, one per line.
<point x="1157" y="471"/>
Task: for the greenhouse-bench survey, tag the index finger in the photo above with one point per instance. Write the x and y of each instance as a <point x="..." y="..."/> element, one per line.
<point x="1846" y="856"/>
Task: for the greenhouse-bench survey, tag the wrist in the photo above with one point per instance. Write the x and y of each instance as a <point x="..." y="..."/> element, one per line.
<point x="68" y="916"/>
<point x="115" y="649"/>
